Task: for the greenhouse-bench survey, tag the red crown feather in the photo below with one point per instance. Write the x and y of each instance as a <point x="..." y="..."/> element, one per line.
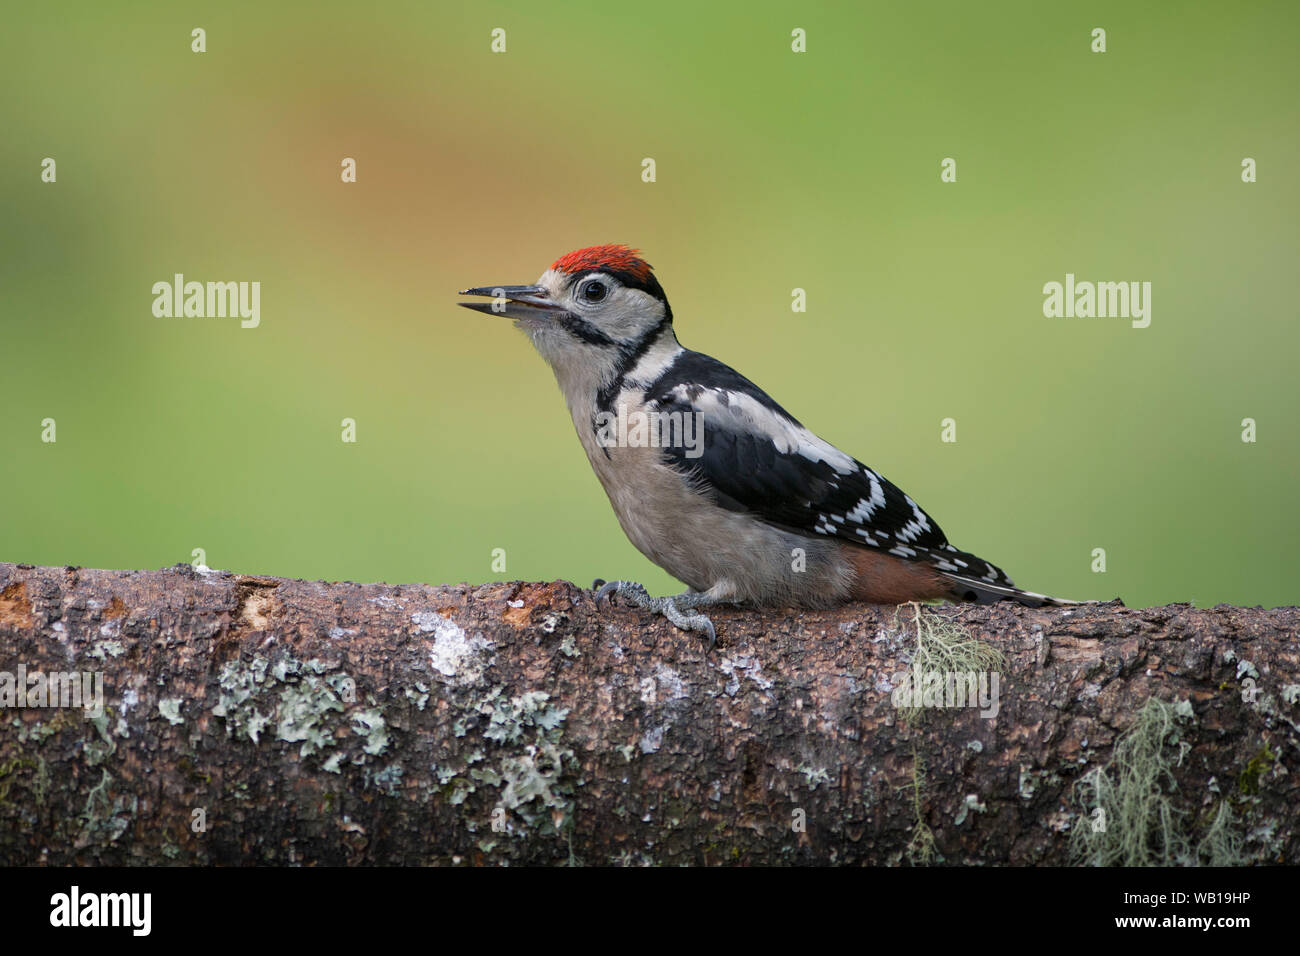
<point x="613" y="258"/>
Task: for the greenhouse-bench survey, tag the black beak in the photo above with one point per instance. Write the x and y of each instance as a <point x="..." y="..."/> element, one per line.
<point x="513" y="301"/>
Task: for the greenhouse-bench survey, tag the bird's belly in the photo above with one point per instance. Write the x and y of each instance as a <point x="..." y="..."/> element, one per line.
<point x="710" y="548"/>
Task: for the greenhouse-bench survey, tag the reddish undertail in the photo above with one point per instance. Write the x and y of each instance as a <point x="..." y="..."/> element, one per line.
<point x="885" y="579"/>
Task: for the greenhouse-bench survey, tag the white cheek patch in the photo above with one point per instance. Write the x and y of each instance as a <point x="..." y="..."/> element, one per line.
<point x="628" y="316"/>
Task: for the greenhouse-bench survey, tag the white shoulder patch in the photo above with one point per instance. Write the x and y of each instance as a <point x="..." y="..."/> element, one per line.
<point x="744" y="413"/>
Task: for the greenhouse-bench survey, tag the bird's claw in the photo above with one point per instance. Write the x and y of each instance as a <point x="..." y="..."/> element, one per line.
<point x="628" y="589"/>
<point x="637" y="595"/>
<point x="689" y="622"/>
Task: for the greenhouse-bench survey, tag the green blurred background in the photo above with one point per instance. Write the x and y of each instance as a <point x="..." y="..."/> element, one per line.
<point x="775" y="170"/>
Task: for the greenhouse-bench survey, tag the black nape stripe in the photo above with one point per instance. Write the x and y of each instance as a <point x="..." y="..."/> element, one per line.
<point x="629" y="353"/>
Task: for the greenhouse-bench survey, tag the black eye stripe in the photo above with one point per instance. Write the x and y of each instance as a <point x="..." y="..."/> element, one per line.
<point x="585" y="331"/>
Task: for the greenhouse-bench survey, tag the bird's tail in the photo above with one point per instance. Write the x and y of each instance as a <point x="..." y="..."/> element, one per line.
<point x="977" y="581"/>
<point x="977" y="591"/>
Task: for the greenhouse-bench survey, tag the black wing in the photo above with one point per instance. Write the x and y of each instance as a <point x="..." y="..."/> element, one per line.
<point x="755" y="457"/>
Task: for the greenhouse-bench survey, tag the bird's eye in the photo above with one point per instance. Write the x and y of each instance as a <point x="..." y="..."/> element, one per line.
<point x="594" y="291"/>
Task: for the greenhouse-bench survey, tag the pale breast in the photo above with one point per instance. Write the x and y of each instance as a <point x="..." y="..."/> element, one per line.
<point x="680" y="529"/>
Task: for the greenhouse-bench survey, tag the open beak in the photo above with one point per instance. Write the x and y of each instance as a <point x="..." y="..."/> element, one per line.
<point x="513" y="301"/>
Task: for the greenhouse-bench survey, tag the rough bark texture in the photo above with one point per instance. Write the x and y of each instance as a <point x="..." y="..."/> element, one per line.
<point x="258" y="720"/>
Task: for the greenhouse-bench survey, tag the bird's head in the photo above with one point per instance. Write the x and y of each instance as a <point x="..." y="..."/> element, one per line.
<point x="599" y="298"/>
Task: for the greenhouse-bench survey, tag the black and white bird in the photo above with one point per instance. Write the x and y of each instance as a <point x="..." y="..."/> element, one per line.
<point x="710" y="478"/>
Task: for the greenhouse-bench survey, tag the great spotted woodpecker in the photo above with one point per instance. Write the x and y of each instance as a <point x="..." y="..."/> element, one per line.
<point x="756" y="509"/>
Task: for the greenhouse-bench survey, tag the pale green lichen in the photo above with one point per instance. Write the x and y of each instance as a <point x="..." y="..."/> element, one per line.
<point x="170" y="708"/>
<point x="97" y="751"/>
<point x="255" y="724"/>
<point x="1222" y="844"/>
<point x="105" y="818"/>
<point x="526" y="764"/>
<point x="532" y="776"/>
<point x="370" y="724"/>
<point x="387" y="781"/>
<point x="508" y="721"/>
<point x="41" y="785"/>
<point x="300" y="702"/>
<point x="302" y="715"/>
<point x="942" y="648"/>
<point x="102" y="650"/>
<point x="1031" y="780"/>
<point x="920" y="850"/>
<point x="1130" y="818"/>
<point x="972" y="802"/>
<point x="418" y="695"/>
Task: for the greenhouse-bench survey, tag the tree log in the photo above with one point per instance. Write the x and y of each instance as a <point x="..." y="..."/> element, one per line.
<point x="256" y="720"/>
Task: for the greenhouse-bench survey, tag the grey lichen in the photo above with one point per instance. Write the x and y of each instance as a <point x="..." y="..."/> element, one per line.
<point x="509" y="721"/>
<point x="418" y="695"/>
<point x="98" y="751"/>
<point x="102" y="650"/>
<point x="387" y="781"/>
<point x="972" y="802"/>
<point x="170" y="708"/>
<point x="456" y="656"/>
<point x="105" y="818"/>
<point x="303" y="702"/>
<point x="370" y="724"/>
<point x="302" y="714"/>
<point x="813" y="776"/>
<point x="531" y="774"/>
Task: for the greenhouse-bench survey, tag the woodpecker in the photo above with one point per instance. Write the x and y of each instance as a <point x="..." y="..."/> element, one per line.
<point x="758" y="510"/>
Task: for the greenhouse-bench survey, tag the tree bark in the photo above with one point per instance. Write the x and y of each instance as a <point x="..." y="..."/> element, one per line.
<point x="253" y="720"/>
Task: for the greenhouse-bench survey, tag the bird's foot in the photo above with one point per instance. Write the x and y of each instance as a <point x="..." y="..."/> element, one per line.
<point x="676" y="609"/>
